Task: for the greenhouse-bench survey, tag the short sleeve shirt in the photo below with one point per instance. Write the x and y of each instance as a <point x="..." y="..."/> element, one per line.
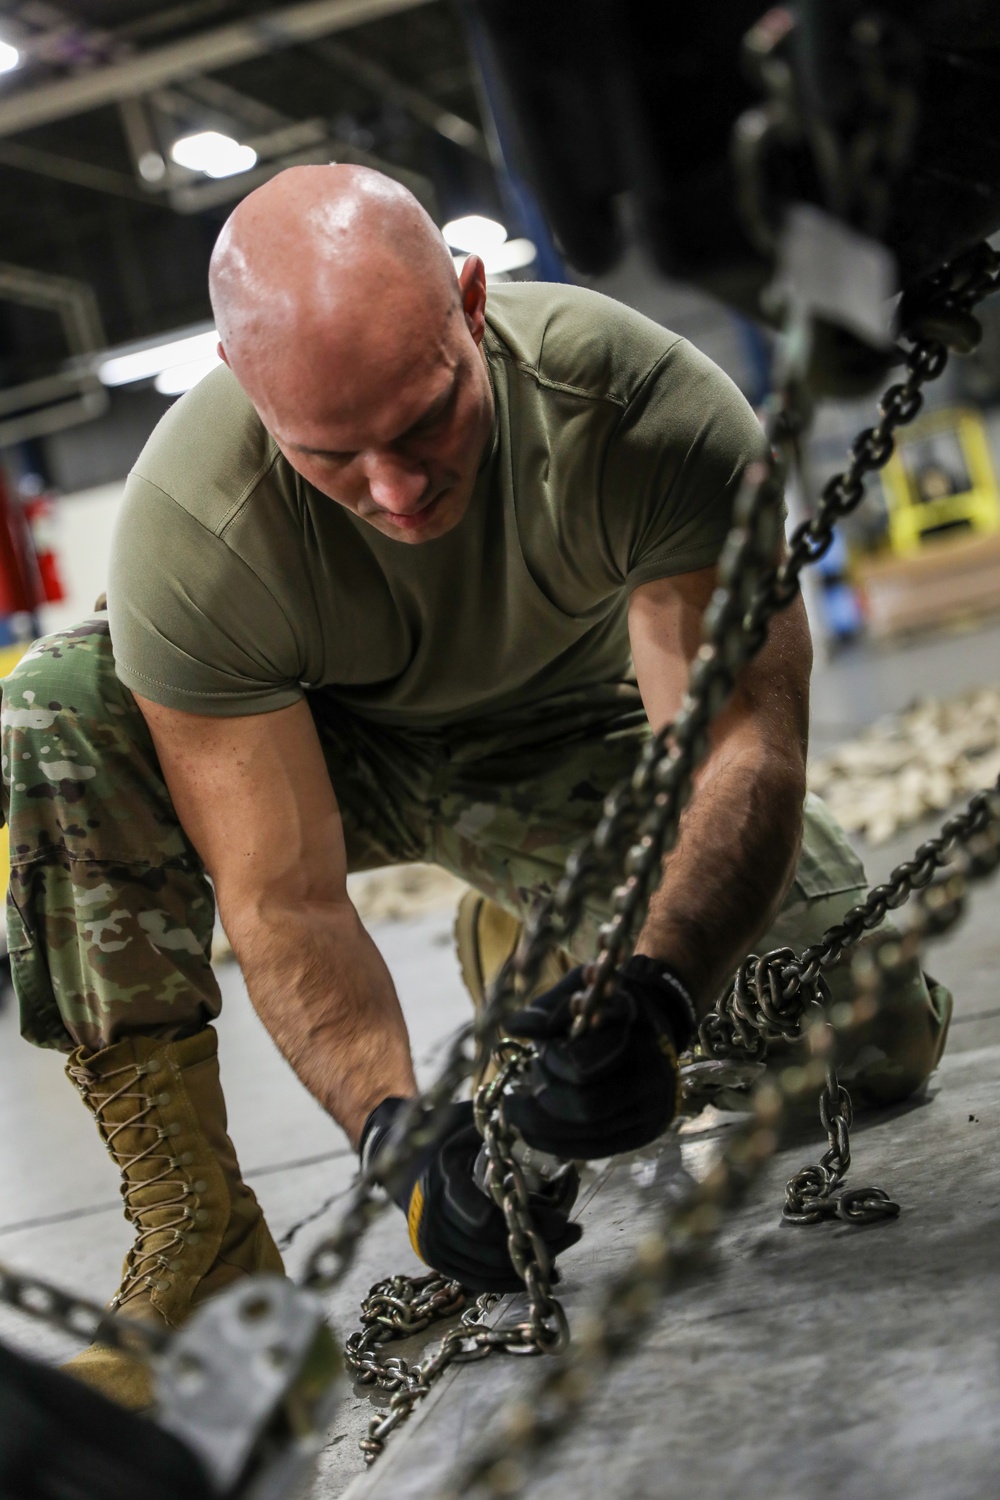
<point x="615" y="456"/>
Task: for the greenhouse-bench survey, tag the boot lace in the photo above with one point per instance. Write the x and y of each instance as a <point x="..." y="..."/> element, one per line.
<point x="153" y="1182"/>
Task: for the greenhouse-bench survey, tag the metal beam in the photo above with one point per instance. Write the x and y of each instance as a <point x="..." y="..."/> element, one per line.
<point x="68" y="169"/>
<point x="75" y="395"/>
<point x="73" y="300"/>
<point x="202" y="53"/>
<point x="420" y="105"/>
<point x="55" y="418"/>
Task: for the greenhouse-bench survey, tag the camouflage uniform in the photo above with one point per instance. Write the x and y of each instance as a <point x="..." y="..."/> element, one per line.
<point x="110" y="913"/>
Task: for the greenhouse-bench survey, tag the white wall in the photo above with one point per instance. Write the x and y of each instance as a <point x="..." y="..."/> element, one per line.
<point x="82" y="535"/>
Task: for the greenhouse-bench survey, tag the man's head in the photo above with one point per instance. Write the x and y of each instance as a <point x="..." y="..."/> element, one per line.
<point x="340" y="314"/>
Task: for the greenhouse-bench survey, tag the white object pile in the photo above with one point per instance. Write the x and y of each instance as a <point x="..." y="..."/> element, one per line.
<point x="912" y="764"/>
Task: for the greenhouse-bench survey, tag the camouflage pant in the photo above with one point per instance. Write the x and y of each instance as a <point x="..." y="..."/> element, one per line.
<point x="110" y="914"/>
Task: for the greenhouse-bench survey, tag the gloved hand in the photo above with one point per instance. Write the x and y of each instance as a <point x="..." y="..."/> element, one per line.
<point x="615" y="1087"/>
<point x="454" y="1227"/>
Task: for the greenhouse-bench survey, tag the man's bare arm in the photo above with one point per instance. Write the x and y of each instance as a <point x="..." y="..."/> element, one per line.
<point x="254" y="796"/>
<point x="740" y="835"/>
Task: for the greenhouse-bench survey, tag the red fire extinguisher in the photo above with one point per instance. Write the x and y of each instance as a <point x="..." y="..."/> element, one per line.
<point x="21" y="588"/>
<point x="40" y="514"/>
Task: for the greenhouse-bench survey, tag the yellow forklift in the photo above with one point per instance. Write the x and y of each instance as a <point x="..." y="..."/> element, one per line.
<point x="941" y="561"/>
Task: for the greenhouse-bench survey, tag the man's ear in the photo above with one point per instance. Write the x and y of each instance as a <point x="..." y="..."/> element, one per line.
<point x="472" y="290"/>
<point x="222" y="353"/>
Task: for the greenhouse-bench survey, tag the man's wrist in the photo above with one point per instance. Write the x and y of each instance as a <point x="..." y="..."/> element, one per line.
<point x="378" y="1127"/>
<point x="672" y="996"/>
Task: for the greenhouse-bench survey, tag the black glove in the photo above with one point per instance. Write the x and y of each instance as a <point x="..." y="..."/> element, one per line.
<point x="454" y="1227"/>
<point x="615" y="1087"/>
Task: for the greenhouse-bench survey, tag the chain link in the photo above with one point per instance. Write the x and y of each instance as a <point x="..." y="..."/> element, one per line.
<point x="546" y="1327"/>
<point x="812" y="1193"/>
<point x="77" y="1316"/>
<point x="401" y="1307"/>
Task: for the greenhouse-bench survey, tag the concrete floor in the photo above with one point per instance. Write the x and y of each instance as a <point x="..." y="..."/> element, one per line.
<point x="821" y="1363"/>
<point x="812" y="1363"/>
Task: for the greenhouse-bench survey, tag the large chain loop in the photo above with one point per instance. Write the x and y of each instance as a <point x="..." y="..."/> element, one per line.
<point x="731" y="1030"/>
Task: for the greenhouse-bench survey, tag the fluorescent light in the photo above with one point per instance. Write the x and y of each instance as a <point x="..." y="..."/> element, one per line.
<point x="142" y="364"/>
<point x="180" y="378"/>
<point x="9" y="57"/>
<point x="474" y="234"/>
<point x="511" y="256"/>
<point x="212" y="153"/>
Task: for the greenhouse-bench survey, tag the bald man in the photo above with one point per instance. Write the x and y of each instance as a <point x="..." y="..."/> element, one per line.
<point x="409" y="579"/>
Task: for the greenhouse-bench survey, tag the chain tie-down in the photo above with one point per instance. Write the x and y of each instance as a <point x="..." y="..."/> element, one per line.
<point x="639" y="826"/>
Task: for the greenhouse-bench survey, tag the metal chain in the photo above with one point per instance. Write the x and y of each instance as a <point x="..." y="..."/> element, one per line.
<point x="77" y="1316"/>
<point x="402" y="1306"/>
<point x="736" y="627"/>
<point x="812" y="1193"/>
<point x="641" y="818"/>
<point x="972" y="838"/>
<point x="764" y="1005"/>
<point x="650" y="806"/>
<point x="397" y="1309"/>
<point x="770" y="993"/>
<point x="545" y="1414"/>
<point x="546" y="1328"/>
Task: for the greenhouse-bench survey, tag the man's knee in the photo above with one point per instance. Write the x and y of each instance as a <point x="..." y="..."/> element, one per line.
<point x="890" y="1055"/>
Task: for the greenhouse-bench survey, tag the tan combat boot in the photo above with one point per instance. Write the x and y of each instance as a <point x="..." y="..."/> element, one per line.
<point x="161" y="1114"/>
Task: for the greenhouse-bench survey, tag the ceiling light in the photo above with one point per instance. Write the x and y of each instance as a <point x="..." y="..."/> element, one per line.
<point x="512" y="255"/>
<point x="212" y="153"/>
<point x="153" y="359"/>
<point x="9" y="57"/>
<point x="474" y="234"/>
<point x="180" y="378"/>
<point x="152" y="167"/>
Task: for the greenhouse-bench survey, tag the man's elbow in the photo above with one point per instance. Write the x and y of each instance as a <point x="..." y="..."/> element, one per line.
<point x="268" y="924"/>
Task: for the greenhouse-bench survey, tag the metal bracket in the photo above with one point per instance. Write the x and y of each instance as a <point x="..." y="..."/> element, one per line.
<point x="250" y="1385"/>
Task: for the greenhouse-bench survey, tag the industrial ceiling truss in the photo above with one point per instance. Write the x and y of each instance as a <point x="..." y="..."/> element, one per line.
<point x="97" y="188"/>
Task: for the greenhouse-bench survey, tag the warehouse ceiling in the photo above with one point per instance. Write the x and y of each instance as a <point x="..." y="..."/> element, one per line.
<point x="103" y="89"/>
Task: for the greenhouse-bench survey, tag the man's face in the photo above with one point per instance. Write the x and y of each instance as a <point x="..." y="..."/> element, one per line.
<point x="401" y="446"/>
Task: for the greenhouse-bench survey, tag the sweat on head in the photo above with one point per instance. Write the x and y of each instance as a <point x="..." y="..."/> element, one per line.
<point x="340" y="314"/>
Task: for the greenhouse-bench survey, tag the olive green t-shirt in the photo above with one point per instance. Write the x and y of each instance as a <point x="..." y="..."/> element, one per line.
<point x="615" y="456"/>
